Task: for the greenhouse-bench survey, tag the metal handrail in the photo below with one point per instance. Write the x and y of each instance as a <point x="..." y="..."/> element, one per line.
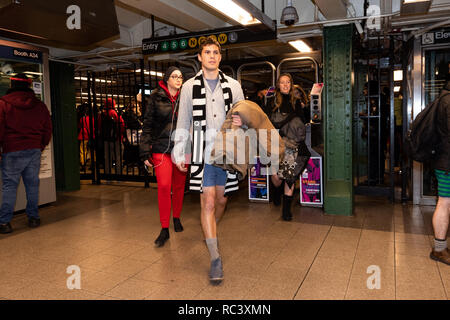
<point x="239" y="71"/>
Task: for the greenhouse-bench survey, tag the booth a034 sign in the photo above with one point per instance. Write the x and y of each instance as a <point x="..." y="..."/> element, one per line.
<point x="311" y="191"/>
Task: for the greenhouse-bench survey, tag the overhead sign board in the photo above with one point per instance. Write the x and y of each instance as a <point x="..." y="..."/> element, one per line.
<point x="21" y="54"/>
<point x="436" y="37"/>
<point x="191" y="41"/>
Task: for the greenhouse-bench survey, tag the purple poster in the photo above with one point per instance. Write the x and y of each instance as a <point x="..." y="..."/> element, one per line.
<point x="311" y="182"/>
<point x="257" y="183"/>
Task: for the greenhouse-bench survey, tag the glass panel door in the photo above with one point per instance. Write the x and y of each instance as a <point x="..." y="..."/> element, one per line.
<point x="436" y="69"/>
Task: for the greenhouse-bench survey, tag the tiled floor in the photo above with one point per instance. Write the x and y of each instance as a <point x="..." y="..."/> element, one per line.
<point x="108" y="232"/>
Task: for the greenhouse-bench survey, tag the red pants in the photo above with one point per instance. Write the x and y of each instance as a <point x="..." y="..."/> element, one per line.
<point x="170" y="180"/>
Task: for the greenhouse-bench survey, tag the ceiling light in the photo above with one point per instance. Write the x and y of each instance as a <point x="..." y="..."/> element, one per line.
<point x="289" y="15"/>
<point x="300" y="45"/>
<point x="232" y="10"/>
<point x="34" y="73"/>
<point x="398" y="75"/>
<point x="412" y="7"/>
<point x="397" y="89"/>
<point x="153" y="73"/>
<point x="412" y="1"/>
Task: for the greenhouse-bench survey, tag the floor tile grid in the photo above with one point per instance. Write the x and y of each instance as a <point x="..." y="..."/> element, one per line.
<point x="353" y="264"/>
<point x="309" y="268"/>
<point x="274" y="259"/>
<point x="439" y="270"/>
<point x="131" y="277"/>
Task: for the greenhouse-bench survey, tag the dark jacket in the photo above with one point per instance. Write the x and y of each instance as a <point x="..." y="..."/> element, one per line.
<point x="110" y="111"/>
<point x="442" y="161"/>
<point x="158" y="124"/>
<point x="303" y="113"/>
<point x="25" y="122"/>
<point x="293" y="131"/>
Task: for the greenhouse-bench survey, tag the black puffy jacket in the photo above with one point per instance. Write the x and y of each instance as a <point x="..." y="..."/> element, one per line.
<point x="158" y="123"/>
<point x="442" y="161"/>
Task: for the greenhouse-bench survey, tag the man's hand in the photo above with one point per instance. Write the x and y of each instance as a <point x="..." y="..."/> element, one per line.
<point x="182" y="167"/>
<point x="237" y="121"/>
<point x="148" y="164"/>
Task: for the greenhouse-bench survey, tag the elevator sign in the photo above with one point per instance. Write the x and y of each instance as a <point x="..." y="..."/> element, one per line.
<point x="191" y="41"/>
<point x="435" y="37"/>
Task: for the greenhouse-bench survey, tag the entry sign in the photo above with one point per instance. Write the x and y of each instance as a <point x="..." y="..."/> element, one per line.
<point x="258" y="183"/>
<point x="191" y="41"/>
<point x="311" y="183"/>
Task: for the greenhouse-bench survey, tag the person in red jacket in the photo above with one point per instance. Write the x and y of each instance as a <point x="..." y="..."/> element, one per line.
<point x="84" y="135"/>
<point x="25" y="131"/>
<point x="111" y="128"/>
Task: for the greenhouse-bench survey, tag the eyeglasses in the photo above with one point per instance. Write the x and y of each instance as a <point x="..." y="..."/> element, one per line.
<point x="177" y="77"/>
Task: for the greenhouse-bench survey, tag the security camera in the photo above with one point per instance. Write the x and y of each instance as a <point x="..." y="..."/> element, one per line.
<point x="7" y="69"/>
<point x="289" y="15"/>
<point x="289" y="22"/>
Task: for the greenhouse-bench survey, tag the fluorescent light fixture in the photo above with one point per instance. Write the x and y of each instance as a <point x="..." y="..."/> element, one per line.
<point x="300" y="45"/>
<point x="232" y="10"/>
<point x="412" y="7"/>
<point x="398" y="75"/>
<point x="153" y="73"/>
<point x="35" y="73"/>
<point x="96" y="80"/>
<point x="412" y="1"/>
<point x="397" y="89"/>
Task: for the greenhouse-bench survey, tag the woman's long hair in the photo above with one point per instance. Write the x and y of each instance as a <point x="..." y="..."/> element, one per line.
<point x="279" y="95"/>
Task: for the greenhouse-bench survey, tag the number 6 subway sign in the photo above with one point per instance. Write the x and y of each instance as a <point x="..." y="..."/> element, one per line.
<point x="311" y="183"/>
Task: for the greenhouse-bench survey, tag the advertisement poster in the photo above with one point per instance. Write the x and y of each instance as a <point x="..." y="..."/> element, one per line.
<point x="258" y="183"/>
<point x="46" y="162"/>
<point x="311" y="189"/>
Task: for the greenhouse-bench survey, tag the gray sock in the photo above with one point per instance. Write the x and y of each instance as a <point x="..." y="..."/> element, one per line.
<point x="440" y="245"/>
<point x="212" y="247"/>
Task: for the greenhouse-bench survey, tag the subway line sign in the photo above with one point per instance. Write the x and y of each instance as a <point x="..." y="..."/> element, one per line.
<point x="191" y="41"/>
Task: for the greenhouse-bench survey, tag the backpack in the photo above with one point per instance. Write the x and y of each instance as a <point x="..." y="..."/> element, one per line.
<point x="422" y="141"/>
<point x="109" y="128"/>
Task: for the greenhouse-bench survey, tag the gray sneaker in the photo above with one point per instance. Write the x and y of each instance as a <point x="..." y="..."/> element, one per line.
<point x="216" y="271"/>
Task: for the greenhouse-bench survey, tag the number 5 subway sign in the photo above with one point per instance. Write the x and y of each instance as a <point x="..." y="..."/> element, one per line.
<point x="191" y="41"/>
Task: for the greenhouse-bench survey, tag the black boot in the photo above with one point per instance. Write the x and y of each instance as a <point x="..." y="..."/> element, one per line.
<point x="277" y="191"/>
<point x="287" y="214"/>
<point x="177" y="225"/>
<point x="5" y="228"/>
<point x="162" y="238"/>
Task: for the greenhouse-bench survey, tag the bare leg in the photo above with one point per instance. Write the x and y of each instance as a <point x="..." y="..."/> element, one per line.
<point x="208" y="220"/>
<point x="289" y="191"/>
<point x="441" y="218"/>
<point x="221" y="202"/>
<point x="276" y="180"/>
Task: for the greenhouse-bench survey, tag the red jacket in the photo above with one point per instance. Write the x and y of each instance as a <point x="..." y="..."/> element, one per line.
<point x="84" y="128"/>
<point x="110" y="111"/>
<point x="25" y="122"/>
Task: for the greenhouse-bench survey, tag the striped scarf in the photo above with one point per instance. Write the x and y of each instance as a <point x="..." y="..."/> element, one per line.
<point x="199" y="133"/>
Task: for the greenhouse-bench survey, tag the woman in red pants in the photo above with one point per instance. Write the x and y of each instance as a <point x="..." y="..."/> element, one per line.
<point x="156" y="145"/>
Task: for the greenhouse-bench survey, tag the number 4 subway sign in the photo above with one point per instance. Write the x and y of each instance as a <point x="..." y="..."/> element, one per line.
<point x="191" y="41"/>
